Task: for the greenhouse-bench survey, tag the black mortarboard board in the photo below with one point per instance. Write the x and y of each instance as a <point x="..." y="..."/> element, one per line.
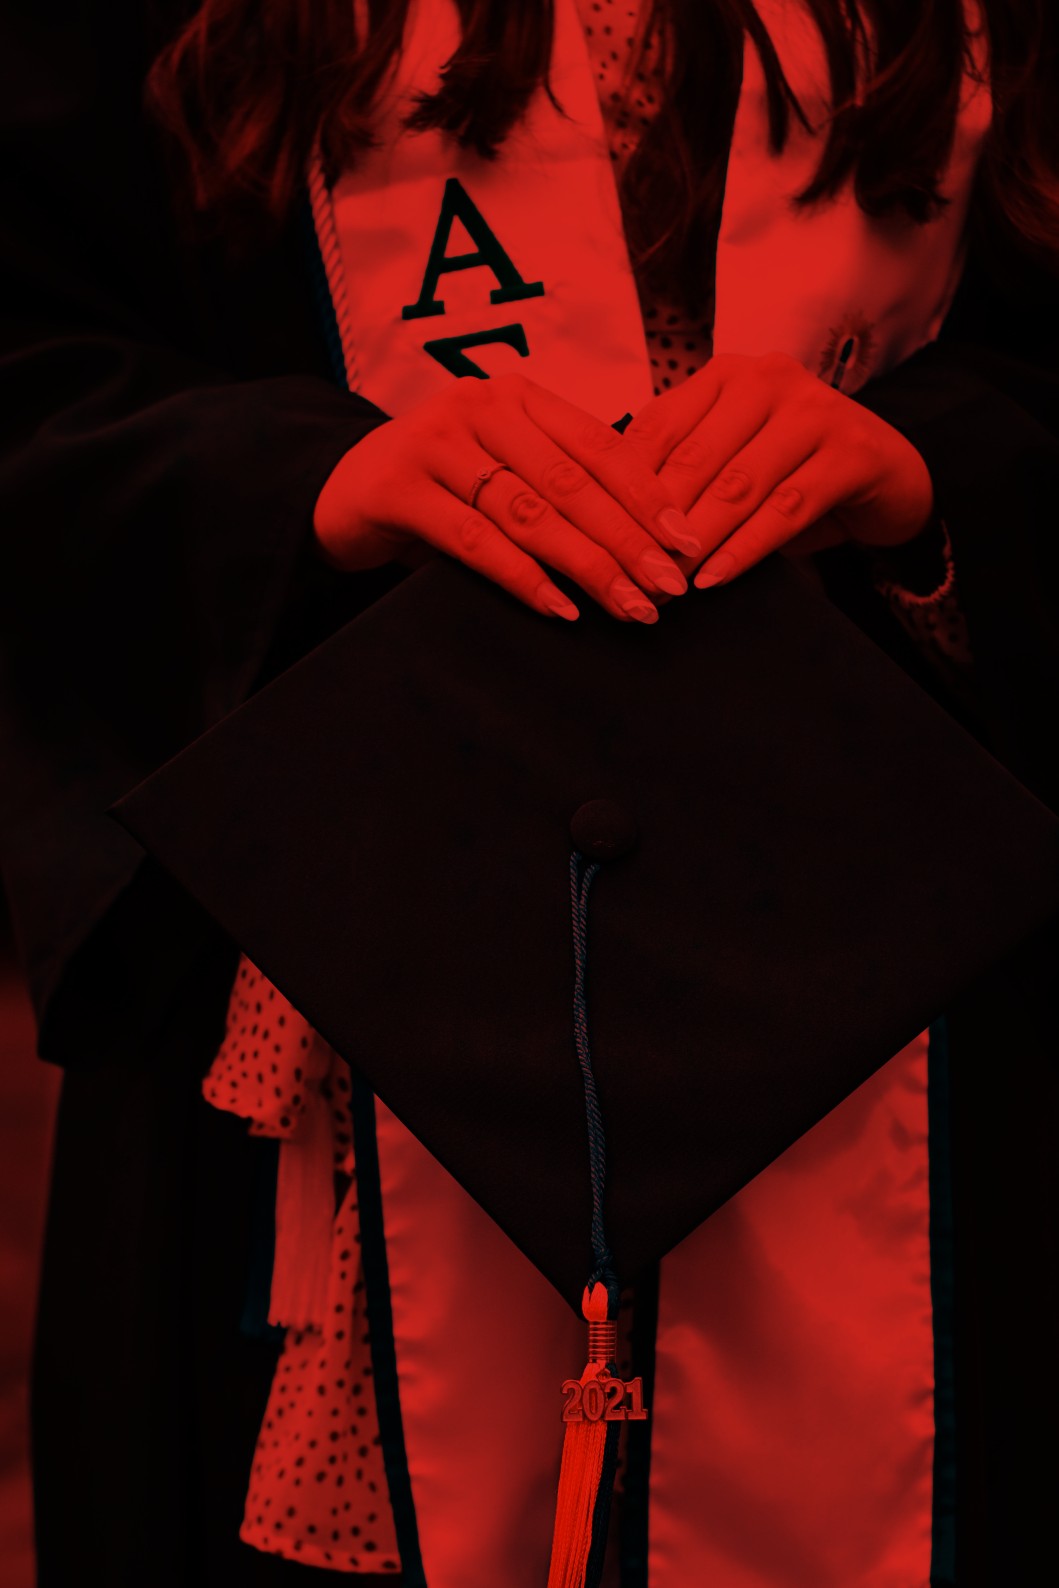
<point x="823" y="858"/>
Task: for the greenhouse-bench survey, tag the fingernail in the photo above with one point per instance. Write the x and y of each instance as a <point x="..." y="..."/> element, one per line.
<point x="661" y="572"/>
<point x="716" y="571"/>
<point x="678" y="533"/>
<point x="633" y="602"/>
<point x="555" y="602"/>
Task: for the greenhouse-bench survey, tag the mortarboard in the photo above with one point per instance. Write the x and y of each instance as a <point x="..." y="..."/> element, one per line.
<point x="819" y="859"/>
<point x="796" y="860"/>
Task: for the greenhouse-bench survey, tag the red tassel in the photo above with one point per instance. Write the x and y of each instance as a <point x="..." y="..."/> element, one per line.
<point x="584" y="1448"/>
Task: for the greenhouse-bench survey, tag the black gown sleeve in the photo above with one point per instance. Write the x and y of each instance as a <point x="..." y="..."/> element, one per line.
<point x="165" y="438"/>
<point x="981" y="405"/>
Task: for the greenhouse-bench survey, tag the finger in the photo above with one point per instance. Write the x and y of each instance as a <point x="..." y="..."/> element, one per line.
<point x="739" y="415"/>
<point x="616" y="472"/>
<point x="586" y="508"/>
<point x="690" y="432"/>
<point x="532" y="524"/>
<point x="664" y="422"/>
<point x="790" y="510"/>
<point x="751" y="474"/>
<point x="468" y="535"/>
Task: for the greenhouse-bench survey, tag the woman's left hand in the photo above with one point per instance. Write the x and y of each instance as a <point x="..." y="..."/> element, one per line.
<point x="764" y="457"/>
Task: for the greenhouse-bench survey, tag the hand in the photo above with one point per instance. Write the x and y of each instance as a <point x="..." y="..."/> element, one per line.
<point x="763" y="457"/>
<point x="573" y="497"/>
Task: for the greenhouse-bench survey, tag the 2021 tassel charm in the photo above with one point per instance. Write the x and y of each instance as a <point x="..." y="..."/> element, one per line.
<point x="595" y="1407"/>
<point x="599" y="1402"/>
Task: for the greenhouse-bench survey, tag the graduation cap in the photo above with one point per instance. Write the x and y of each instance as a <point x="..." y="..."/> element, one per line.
<point x="686" y="886"/>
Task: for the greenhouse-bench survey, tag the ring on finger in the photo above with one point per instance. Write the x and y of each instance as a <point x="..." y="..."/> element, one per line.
<point x="482" y="478"/>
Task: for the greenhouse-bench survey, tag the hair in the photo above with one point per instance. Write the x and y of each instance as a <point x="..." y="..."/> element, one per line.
<point x="248" y="87"/>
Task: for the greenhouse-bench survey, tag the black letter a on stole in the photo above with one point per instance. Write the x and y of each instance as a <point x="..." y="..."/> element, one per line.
<point x="457" y="204"/>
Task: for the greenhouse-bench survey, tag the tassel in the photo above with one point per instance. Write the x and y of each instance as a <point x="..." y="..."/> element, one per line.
<point x="594" y="1409"/>
<point x="586" y="1477"/>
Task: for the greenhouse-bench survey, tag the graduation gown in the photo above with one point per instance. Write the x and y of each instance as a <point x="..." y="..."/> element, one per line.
<point x="174" y="420"/>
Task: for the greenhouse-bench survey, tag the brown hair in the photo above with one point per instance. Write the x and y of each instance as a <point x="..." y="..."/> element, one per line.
<point x="248" y="85"/>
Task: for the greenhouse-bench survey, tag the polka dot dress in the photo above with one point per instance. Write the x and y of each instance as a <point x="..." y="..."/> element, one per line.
<point x="270" y="1061"/>
<point x="317" y="1487"/>
<point x="627" y="68"/>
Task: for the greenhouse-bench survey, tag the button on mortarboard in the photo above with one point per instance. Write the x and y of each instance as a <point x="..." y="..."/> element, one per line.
<point x="603" y="830"/>
<point x="824" y="858"/>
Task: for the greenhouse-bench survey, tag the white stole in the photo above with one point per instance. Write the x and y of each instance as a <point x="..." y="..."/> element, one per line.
<point x="552" y="293"/>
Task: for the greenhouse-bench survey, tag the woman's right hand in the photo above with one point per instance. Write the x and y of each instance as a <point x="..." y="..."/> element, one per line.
<point x="572" y="496"/>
